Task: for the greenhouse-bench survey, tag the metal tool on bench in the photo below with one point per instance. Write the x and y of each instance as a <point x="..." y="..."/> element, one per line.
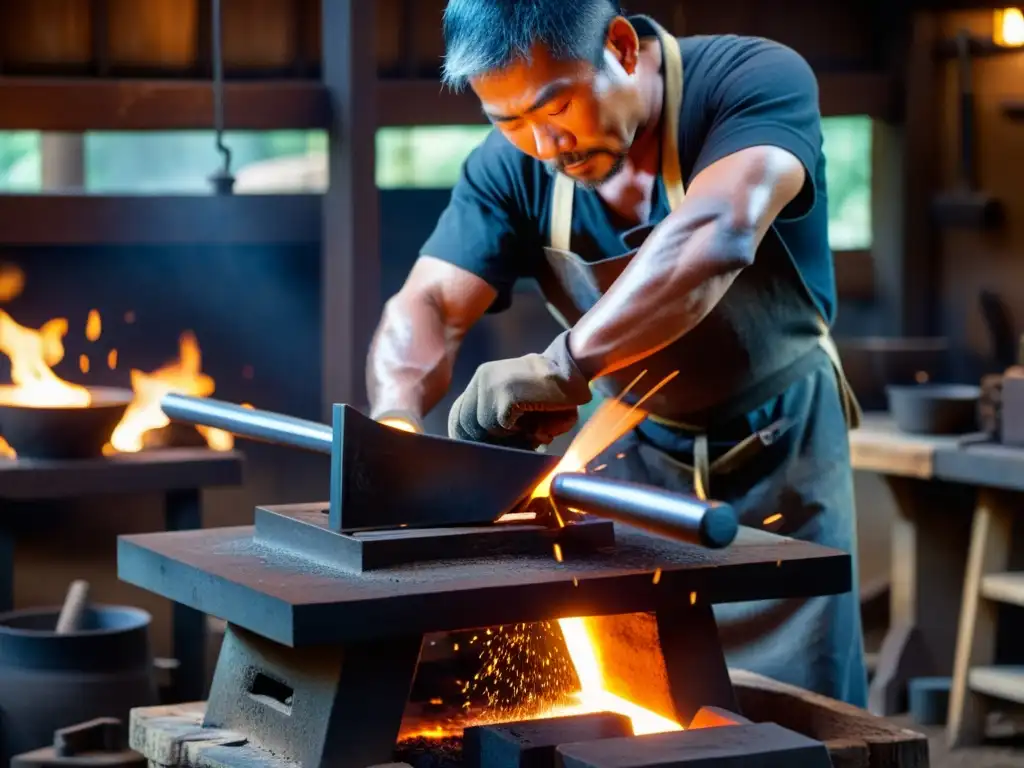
<point x="383" y="479"/>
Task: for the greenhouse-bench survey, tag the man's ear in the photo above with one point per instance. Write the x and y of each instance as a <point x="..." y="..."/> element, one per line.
<point x="623" y="43"/>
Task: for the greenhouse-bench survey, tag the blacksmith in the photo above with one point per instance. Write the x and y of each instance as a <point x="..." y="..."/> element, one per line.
<point x="668" y="197"/>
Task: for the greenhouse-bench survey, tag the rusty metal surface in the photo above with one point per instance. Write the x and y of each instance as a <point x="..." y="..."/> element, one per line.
<point x="303" y="530"/>
<point x="294" y="601"/>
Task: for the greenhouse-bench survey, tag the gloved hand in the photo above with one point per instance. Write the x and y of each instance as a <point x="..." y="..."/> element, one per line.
<point x="524" y="402"/>
<point x="401" y="420"/>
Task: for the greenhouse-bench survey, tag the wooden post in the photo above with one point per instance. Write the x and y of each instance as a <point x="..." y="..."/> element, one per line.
<point x="350" y="251"/>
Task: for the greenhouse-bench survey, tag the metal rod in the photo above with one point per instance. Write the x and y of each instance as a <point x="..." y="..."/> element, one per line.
<point x="248" y="422"/>
<point x="672" y="515"/>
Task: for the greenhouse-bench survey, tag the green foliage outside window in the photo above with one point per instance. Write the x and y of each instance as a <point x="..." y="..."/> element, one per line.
<point x="407" y="157"/>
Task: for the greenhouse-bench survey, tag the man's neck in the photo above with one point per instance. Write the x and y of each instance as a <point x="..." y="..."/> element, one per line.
<point x="645" y="150"/>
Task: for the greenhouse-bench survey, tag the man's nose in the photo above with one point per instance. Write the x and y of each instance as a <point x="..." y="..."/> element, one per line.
<point x="550" y="144"/>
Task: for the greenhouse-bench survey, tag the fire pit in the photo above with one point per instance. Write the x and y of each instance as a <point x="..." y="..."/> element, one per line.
<point x="62" y="432"/>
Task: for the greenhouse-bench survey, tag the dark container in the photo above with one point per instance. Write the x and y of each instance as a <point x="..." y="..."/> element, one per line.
<point x="935" y="409"/>
<point x="50" y="681"/>
<point x="65" y="433"/>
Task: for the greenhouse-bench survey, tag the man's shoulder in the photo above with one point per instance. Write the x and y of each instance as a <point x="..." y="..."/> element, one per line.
<point x="709" y="59"/>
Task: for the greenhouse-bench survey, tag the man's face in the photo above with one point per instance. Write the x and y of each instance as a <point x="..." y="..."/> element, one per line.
<point x="576" y="118"/>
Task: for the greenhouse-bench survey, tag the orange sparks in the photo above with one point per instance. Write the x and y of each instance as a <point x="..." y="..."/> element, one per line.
<point x="620" y="455"/>
<point x="12" y="282"/>
<point x="558" y="552"/>
<point x="610" y="421"/>
<point x="693" y="598"/>
<point x="575" y="581"/>
<point x="83" y="363"/>
<point x="112" y="359"/>
<point x="455" y="647"/>
<point x="772" y="519"/>
<point x="598" y="469"/>
<point x="657" y="576"/>
<point x="93" y="325"/>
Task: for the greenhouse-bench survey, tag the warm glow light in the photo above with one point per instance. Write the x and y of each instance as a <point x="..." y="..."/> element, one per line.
<point x="593" y="696"/>
<point x="184" y="376"/>
<point x="32" y="353"/>
<point x="402" y="425"/>
<point x="1008" y="29"/>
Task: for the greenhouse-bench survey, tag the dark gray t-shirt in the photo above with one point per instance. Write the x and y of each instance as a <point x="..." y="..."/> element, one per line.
<point x="739" y="92"/>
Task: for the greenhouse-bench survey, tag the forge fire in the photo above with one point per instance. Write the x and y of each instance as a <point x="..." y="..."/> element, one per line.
<point x="34" y="352"/>
<point x="525" y="672"/>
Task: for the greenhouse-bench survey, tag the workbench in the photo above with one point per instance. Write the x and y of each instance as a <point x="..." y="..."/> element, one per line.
<point x="176" y="474"/>
<point x="942" y="487"/>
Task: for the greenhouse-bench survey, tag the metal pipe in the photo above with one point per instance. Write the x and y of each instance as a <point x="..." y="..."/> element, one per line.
<point x="672" y="515"/>
<point x="248" y="422"/>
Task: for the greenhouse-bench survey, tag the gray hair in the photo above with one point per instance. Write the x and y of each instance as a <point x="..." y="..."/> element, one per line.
<point x="487" y="35"/>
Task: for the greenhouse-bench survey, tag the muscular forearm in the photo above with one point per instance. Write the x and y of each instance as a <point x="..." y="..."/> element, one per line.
<point x="673" y="282"/>
<point x="411" y="358"/>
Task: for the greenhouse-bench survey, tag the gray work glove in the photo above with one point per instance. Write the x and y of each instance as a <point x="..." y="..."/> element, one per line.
<point x="523" y="402"/>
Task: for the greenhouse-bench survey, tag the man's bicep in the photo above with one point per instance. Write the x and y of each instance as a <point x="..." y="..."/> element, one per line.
<point x="484" y="228"/>
<point x="752" y="186"/>
<point x="460" y="297"/>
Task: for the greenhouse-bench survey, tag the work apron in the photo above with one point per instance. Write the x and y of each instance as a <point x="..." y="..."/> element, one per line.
<point x="766" y="429"/>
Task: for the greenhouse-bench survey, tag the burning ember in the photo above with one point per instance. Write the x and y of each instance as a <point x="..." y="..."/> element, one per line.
<point x="34" y="352"/>
<point x="534" y="671"/>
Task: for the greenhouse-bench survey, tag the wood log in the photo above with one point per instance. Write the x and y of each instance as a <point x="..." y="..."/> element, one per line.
<point x="858" y="738"/>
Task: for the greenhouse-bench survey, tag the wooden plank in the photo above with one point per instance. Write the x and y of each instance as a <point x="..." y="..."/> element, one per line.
<point x="129" y="473"/>
<point x="1004" y="588"/>
<point x="350" y="248"/>
<point x="159" y="220"/>
<point x="879" y="446"/>
<point x="990" y="465"/>
<point x="1005" y="683"/>
<point x="845" y="729"/>
<point x="223" y="573"/>
<point x="976" y="638"/>
<point x="74" y="105"/>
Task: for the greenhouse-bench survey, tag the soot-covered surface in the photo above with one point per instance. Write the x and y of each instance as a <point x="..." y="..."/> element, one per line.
<point x="294" y="601"/>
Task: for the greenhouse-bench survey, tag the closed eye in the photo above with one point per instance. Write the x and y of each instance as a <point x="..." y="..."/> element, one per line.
<point x="561" y="109"/>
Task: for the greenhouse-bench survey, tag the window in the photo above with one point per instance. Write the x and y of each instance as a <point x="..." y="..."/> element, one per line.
<point x="20" y="166"/>
<point x="419" y="157"/>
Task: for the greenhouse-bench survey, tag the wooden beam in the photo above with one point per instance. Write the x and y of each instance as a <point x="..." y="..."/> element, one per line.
<point x="350" y="250"/>
<point x="918" y="275"/>
<point x="152" y="220"/>
<point x="855" y="275"/>
<point x="427" y="102"/>
<point x="72" y="105"/>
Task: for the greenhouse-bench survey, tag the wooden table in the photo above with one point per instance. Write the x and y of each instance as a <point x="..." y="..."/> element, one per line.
<point x="951" y="548"/>
<point x="176" y="474"/>
<point x="929" y="553"/>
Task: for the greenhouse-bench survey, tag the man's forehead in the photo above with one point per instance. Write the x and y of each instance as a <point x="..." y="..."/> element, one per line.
<point x="517" y="87"/>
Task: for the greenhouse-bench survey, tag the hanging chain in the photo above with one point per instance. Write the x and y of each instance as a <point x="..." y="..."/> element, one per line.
<point x="223" y="181"/>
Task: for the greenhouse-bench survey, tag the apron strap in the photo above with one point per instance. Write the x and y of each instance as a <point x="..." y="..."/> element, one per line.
<point x="561" y="212"/>
<point x="671" y="173"/>
<point x="851" y="407"/>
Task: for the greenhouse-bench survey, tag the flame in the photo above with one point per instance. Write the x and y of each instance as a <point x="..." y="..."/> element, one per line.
<point x="93" y="325"/>
<point x="610" y="421"/>
<point x="32" y="353"/>
<point x="183" y="376"/>
<point x="12" y="282"/>
<point x="593" y="694"/>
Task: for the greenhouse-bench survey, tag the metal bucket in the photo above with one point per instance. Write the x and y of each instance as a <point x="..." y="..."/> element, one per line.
<point x="50" y="681"/>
